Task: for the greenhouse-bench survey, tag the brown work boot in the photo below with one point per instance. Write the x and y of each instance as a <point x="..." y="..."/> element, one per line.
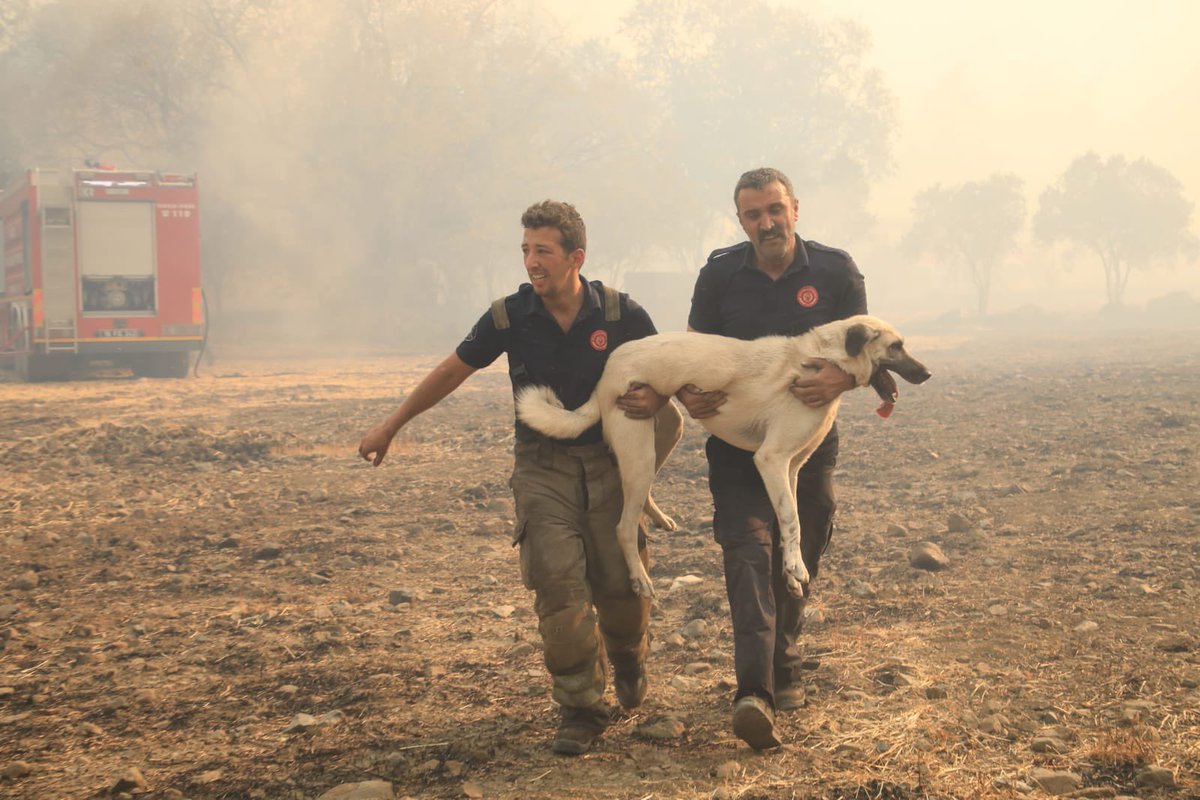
<point x="754" y="723"/>
<point x="789" y="698"/>
<point x="579" y="728"/>
<point x="630" y="684"/>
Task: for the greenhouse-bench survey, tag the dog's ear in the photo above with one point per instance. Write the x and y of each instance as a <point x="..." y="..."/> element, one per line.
<point x="857" y="336"/>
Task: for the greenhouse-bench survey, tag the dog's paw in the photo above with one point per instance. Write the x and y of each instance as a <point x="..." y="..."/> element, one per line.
<point x="642" y="586"/>
<point x="661" y="520"/>
<point x="656" y="515"/>
<point x="796" y="575"/>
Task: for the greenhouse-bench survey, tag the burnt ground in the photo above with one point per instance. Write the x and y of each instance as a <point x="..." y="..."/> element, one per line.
<point x="187" y="565"/>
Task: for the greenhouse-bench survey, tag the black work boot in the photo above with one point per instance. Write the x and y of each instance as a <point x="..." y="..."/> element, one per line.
<point x="754" y="723"/>
<point x="789" y="698"/>
<point x="579" y="728"/>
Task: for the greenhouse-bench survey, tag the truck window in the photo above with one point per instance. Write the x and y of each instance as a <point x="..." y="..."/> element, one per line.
<point x="116" y="257"/>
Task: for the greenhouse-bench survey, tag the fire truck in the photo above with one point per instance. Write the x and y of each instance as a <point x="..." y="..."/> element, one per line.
<point x="100" y="265"/>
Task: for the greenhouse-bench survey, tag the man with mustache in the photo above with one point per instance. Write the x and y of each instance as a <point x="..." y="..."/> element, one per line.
<point x="772" y="284"/>
<point x="558" y="330"/>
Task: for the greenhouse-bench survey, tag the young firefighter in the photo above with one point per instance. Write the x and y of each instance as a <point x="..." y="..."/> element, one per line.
<point x="558" y="330"/>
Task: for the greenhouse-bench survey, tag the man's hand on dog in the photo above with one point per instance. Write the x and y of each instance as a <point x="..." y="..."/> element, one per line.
<point x="825" y="386"/>
<point x="699" y="403"/>
<point x="376" y="443"/>
<point x="641" y="402"/>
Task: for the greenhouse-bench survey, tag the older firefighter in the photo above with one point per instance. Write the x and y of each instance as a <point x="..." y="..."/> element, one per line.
<point x="558" y="330"/>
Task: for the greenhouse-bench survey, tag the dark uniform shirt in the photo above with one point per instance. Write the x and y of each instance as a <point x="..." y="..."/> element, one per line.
<point x="539" y="352"/>
<point x="735" y="298"/>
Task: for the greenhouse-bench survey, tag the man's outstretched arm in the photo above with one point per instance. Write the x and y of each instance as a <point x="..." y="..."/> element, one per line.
<point x="433" y="388"/>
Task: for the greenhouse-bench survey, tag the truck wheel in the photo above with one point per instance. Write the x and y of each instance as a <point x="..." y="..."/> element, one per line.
<point x="36" y="368"/>
<point x="175" y="365"/>
<point x="161" y="365"/>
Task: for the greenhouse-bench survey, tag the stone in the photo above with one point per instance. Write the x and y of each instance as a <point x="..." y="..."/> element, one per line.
<point x="402" y="595"/>
<point x="15" y="769"/>
<point x="684" y="581"/>
<point x="521" y="650"/>
<point x="131" y="781"/>
<point x="661" y="726"/>
<point x="268" y="552"/>
<point x="1048" y="744"/>
<point x="728" y="770"/>
<point x="694" y="629"/>
<point x="1180" y="643"/>
<point x="993" y="724"/>
<point x="928" y="556"/>
<point x="957" y="523"/>
<point x="1054" y="781"/>
<point x="363" y="790"/>
<point x="682" y="684"/>
<point x="860" y="589"/>
<point x="1153" y="775"/>
<point x="305" y="722"/>
<point x="26" y="581"/>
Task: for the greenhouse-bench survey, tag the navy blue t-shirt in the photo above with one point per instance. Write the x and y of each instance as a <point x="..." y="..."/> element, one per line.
<point x="539" y="352"/>
<point x="735" y="298"/>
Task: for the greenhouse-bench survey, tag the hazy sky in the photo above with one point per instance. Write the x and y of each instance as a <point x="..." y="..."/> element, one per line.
<point x="1024" y="86"/>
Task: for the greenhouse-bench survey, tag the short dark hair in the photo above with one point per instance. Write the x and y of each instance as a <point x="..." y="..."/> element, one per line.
<point x="759" y="178"/>
<point x="556" y="214"/>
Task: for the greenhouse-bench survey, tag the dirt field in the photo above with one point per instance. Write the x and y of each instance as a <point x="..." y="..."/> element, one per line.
<point x="186" y="566"/>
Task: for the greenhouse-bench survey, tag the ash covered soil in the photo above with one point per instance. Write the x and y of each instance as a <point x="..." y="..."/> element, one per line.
<point x="205" y="594"/>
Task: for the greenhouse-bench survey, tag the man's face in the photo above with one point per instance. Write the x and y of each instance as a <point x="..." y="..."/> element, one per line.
<point x="553" y="271"/>
<point x="768" y="216"/>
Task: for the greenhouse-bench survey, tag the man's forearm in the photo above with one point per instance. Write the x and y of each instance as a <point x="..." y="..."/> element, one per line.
<point x="440" y="382"/>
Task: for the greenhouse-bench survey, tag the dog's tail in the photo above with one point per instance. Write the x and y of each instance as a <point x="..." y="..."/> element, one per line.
<point x="539" y="408"/>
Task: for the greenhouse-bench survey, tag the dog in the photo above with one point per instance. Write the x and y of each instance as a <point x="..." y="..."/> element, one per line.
<point x="760" y="413"/>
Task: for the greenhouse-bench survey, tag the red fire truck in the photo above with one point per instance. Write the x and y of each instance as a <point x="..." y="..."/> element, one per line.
<point x="100" y="265"/>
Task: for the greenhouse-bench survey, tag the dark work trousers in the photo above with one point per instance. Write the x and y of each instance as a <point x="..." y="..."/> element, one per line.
<point x="568" y="501"/>
<point x="766" y="617"/>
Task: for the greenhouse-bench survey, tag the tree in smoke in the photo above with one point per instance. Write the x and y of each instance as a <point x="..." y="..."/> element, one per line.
<point x="109" y="79"/>
<point x="972" y="226"/>
<point x="1130" y="214"/>
<point x="14" y="14"/>
<point x="758" y="84"/>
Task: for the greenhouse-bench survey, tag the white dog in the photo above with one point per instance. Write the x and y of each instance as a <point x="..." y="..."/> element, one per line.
<point x="760" y="413"/>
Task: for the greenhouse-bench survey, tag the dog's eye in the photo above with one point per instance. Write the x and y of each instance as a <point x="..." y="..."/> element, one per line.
<point x="896" y="346"/>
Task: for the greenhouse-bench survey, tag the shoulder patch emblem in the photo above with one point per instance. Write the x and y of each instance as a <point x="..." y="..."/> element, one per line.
<point x="474" y="332"/>
<point x="807" y="296"/>
<point x="599" y="340"/>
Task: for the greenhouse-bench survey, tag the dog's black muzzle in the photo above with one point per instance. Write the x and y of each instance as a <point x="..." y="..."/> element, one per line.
<point x="884" y="384"/>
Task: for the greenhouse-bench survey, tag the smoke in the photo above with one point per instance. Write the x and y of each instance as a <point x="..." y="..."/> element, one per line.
<point x="363" y="165"/>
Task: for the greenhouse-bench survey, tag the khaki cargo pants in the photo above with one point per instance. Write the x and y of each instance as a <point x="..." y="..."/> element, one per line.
<point x="568" y="501"/>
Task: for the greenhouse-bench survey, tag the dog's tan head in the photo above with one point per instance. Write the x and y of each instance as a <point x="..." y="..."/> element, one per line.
<point x="883" y="346"/>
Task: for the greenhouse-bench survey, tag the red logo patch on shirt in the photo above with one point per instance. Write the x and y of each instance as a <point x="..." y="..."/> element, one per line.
<point x="807" y="296"/>
<point x="600" y="341"/>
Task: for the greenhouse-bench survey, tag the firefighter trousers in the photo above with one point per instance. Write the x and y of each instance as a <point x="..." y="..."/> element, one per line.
<point x="766" y="618"/>
<point x="568" y="500"/>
